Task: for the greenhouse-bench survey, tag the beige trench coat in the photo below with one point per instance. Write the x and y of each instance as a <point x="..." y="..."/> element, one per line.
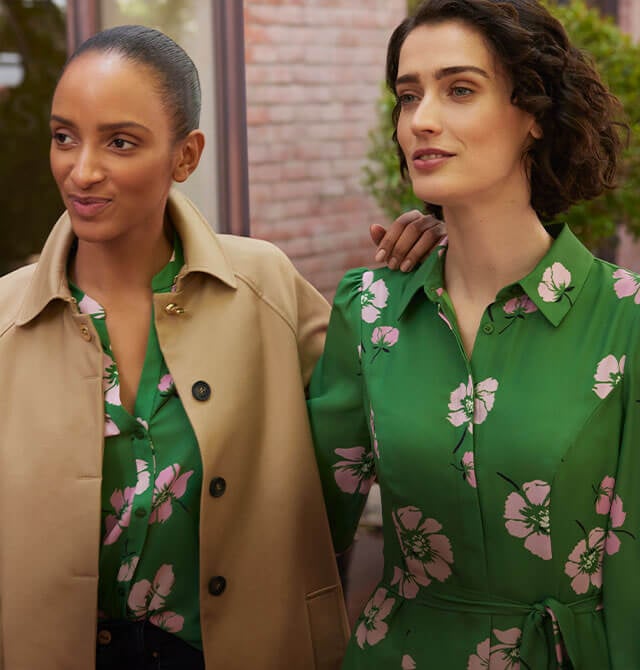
<point x="252" y="328"/>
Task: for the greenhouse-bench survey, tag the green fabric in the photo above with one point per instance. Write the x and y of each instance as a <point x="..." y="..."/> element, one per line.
<point x="151" y="482"/>
<point x="510" y="510"/>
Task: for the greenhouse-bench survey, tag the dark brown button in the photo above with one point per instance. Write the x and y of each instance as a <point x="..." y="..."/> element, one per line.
<point x="201" y="391"/>
<point x="217" y="487"/>
<point x="217" y="585"/>
<point x="104" y="637"/>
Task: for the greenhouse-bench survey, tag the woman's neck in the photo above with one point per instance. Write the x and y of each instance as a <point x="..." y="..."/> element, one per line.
<point x="105" y="270"/>
<point x="491" y="248"/>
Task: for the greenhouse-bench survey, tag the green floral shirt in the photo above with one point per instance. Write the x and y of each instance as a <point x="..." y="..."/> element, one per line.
<point x="510" y="497"/>
<point x="151" y="482"/>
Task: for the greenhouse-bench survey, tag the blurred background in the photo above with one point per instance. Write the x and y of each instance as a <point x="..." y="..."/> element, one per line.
<point x="297" y="133"/>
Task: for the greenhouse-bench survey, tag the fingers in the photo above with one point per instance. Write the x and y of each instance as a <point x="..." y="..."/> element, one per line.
<point x="409" y="240"/>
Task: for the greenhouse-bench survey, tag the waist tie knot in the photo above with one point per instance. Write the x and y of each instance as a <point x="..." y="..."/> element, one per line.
<point x="549" y="630"/>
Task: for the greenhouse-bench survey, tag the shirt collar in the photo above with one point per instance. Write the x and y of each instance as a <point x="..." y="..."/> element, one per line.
<point x="202" y="251"/>
<point x="553" y="285"/>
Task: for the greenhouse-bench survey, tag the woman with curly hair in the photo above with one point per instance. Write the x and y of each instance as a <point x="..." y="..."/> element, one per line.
<point x="494" y="390"/>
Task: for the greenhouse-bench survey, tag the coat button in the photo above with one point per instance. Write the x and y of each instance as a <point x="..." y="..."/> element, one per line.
<point x="85" y="332"/>
<point x="104" y="637"/>
<point x="201" y="391"/>
<point x="217" y="487"/>
<point x="173" y="309"/>
<point x="217" y="585"/>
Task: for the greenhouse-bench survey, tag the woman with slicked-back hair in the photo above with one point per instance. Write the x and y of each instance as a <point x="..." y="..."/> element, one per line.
<point x="493" y="392"/>
<point x="160" y="506"/>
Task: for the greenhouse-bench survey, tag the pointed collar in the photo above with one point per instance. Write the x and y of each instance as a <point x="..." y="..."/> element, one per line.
<point x="202" y="251"/>
<point x="553" y="285"/>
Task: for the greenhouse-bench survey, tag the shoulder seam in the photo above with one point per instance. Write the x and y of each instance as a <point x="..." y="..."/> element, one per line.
<point x="263" y="298"/>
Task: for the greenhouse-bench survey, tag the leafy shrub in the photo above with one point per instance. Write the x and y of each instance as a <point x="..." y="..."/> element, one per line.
<point x="618" y="60"/>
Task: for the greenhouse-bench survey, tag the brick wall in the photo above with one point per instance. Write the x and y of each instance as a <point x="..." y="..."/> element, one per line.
<point x="313" y="71"/>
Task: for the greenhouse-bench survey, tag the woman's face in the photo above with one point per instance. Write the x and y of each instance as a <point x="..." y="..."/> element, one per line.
<point x="462" y="137"/>
<point x="112" y="154"/>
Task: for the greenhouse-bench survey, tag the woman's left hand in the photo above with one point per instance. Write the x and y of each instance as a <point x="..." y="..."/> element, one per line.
<point x="409" y="240"/>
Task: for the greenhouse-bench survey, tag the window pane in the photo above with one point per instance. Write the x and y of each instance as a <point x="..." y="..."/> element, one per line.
<point x="190" y="24"/>
<point x="32" y="53"/>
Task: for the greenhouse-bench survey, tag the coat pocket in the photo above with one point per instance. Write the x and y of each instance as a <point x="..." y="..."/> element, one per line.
<point x="328" y="627"/>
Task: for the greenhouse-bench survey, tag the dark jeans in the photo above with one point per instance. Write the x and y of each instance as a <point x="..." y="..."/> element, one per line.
<point x="139" y="645"/>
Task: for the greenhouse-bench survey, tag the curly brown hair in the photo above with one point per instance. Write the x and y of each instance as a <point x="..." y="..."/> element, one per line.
<point x="577" y="157"/>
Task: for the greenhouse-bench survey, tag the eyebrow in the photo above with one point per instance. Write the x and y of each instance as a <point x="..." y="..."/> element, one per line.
<point x="443" y="72"/>
<point x="103" y="127"/>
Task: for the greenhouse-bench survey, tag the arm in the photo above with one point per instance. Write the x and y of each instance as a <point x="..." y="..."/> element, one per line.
<point x="339" y="417"/>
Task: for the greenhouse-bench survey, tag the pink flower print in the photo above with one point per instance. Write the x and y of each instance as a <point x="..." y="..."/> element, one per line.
<point x="608" y="375"/>
<point x="527" y="515"/>
<point x="408" y="584"/>
<point x="427" y="553"/>
<point x="146" y="597"/>
<point x="383" y="337"/>
<point x="555" y="284"/>
<point x="480" y="660"/>
<point x="472" y="405"/>
<point x="605" y="495"/>
<point x="468" y="469"/>
<point x="561" y="652"/>
<point x="407" y="663"/>
<point x="144" y="476"/>
<point x="461" y="405"/>
<point x="519" y="306"/>
<point x="628" y="285"/>
<point x="443" y="316"/>
<point x="357" y="472"/>
<point x="374" y="297"/>
<point x="484" y="398"/>
<point x="608" y="503"/>
<point x="170" y="485"/>
<point x="165" y="386"/>
<point x="168" y="621"/>
<point x="110" y="427"/>
<point x="90" y="306"/>
<point x="121" y="502"/>
<point x="372" y="628"/>
<point x="584" y="564"/>
<point x="127" y="569"/>
<point x="506" y="654"/>
<point x="110" y="381"/>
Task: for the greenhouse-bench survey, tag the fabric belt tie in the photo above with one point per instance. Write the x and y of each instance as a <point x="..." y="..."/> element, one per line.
<point x="544" y="621"/>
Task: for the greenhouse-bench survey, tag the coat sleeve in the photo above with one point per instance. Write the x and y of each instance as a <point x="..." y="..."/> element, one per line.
<point x="313" y="317"/>
<point x="621" y="568"/>
<point x="339" y="417"/>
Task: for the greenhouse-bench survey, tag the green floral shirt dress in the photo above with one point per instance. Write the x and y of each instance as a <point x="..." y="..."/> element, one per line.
<point x="151" y="482"/>
<point x="510" y="482"/>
